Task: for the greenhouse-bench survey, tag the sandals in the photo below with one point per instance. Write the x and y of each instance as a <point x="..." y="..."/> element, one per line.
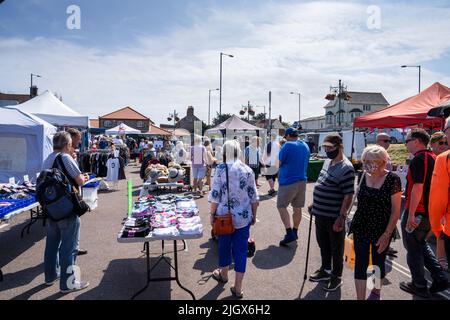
<point x="217" y="275"/>
<point x="235" y="294"/>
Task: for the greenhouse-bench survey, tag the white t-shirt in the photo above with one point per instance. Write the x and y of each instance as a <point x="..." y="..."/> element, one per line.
<point x="113" y="166"/>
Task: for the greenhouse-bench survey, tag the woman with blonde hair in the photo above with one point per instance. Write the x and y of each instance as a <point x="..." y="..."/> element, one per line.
<point x="379" y="202"/>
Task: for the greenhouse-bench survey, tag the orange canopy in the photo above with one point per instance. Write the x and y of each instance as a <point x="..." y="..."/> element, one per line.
<point x="409" y="112"/>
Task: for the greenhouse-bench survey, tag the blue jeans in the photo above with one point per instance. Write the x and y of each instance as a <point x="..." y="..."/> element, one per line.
<point x="419" y="254"/>
<point x="61" y="249"/>
<point x="234" y="246"/>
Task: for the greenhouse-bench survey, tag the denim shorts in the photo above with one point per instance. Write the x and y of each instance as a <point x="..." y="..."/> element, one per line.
<point x="198" y="172"/>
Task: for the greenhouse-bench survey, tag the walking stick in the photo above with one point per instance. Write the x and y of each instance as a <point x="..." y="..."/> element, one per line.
<point x="309" y="241"/>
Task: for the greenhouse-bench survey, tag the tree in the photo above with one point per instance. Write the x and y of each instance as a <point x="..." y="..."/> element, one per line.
<point x="259" y="117"/>
<point x="220" y="118"/>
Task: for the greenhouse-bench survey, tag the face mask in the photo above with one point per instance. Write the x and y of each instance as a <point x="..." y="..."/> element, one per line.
<point x="332" y="154"/>
<point x="370" y="167"/>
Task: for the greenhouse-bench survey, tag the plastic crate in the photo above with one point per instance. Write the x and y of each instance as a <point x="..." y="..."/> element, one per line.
<point x="13" y="207"/>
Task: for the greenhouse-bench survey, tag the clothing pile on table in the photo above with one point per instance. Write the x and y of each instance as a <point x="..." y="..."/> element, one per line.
<point x="22" y="191"/>
<point x="158" y="173"/>
<point x="16" y="196"/>
<point x="167" y="215"/>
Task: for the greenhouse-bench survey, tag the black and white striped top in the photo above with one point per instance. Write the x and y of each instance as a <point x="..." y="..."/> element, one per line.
<point x="334" y="182"/>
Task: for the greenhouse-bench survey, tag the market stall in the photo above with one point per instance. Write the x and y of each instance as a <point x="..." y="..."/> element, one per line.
<point x="162" y="218"/>
<point x="122" y="129"/>
<point x="49" y="108"/>
<point x="235" y="126"/>
<point x="25" y="142"/>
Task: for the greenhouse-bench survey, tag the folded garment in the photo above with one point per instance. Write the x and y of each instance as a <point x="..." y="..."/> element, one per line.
<point x="193" y="220"/>
<point x="163" y="220"/>
<point x="186" y="204"/>
<point x="191" y="229"/>
<point x="170" y="231"/>
<point x="135" y="232"/>
<point x="137" y="222"/>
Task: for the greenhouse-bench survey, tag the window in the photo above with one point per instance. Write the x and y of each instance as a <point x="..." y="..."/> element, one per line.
<point x="107" y="123"/>
<point x="366" y="107"/>
<point x="341" y="117"/>
<point x="329" y="117"/>
<point x="355" y="113"/>
<point x="140" y="124"/>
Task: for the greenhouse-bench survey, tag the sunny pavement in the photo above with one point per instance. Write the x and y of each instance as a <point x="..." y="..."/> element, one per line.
<point x="117" y="271"/>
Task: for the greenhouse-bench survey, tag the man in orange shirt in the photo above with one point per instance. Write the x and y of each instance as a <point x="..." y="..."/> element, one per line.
<point x="439" y="202"/>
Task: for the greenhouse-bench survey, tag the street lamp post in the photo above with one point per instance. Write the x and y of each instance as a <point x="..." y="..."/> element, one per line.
<point x="31" y="87"/>
<point x="209" y="105"/>
<point x="175" y="118"/>
<point x="220" y="96"/>
<point x="299" y="101"/>
<point x="405" y="66"/>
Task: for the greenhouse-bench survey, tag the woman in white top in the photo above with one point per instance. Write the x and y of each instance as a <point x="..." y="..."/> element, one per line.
<point x="234" y="190"/>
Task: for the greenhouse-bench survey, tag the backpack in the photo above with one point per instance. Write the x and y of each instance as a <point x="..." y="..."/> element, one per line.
<point x="55" y="193"/>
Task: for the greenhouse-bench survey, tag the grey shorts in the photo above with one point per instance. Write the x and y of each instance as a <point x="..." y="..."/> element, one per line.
<point x="293" y="194"/>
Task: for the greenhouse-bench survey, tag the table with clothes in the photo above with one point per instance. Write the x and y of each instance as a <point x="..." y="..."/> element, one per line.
<point x="18" y="198"/>
<point x="168" y="217"/>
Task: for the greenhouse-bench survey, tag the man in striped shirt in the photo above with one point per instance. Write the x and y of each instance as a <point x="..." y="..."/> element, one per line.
<point x="332" y="198"/>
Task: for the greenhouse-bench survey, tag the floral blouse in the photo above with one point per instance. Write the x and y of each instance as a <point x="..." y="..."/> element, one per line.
<point x="242" y="193"/>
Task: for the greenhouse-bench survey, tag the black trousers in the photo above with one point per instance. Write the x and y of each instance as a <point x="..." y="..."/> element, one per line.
<point x="331" y="245"/>
<point x="362" y="258"/>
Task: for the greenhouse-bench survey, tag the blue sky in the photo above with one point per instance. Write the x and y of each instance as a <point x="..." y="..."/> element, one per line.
<point x="160" y="55"/>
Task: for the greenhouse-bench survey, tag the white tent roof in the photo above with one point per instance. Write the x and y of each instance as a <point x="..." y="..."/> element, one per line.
<point x="122" y="129"/>
<point x="234" y="123"/>
<point x="25" y="142"/>
<point x="49" y="108"/>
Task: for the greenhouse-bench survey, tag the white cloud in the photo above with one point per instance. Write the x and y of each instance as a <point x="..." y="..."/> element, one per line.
<point x="283" y="48"/>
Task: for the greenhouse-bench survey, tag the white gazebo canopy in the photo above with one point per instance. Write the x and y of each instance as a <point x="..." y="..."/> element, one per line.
<point x="25" y="142"/>
<point x="49" y="108"/>
<point x="122" y="129"/>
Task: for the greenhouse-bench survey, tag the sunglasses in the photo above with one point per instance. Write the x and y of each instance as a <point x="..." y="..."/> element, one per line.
<point x="441" y="143"/>
<point x="386" y="141"/>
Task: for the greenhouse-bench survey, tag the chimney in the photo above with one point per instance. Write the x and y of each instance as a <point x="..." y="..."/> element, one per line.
<point x="190" y="111"/>
<point x="33" y="91"/>
<point x="279" y="118"/>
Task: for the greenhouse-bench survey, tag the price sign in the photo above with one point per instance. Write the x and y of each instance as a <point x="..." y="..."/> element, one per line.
<point x="12" y="180"/>
<point x="26" y="178"/>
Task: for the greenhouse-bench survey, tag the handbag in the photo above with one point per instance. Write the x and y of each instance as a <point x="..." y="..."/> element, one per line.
<point x="223" y="224"/>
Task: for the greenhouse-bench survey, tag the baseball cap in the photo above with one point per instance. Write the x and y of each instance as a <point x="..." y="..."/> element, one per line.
<point x="332" y="140"/>
<point x="290" y="131"/>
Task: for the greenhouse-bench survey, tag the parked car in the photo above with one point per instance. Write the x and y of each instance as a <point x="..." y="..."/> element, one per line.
<point x="397" y="136"/>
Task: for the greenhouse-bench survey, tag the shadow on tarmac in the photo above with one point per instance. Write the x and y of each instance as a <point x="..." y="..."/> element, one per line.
<point x="274" y="257"/>
<point x="125" y="277"/>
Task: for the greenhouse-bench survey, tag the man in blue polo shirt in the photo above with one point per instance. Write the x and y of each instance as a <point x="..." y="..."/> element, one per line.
<point x="292" y="178"/>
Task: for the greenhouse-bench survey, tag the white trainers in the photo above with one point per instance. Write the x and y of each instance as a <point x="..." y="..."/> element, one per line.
<point x="76" y="287"/>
